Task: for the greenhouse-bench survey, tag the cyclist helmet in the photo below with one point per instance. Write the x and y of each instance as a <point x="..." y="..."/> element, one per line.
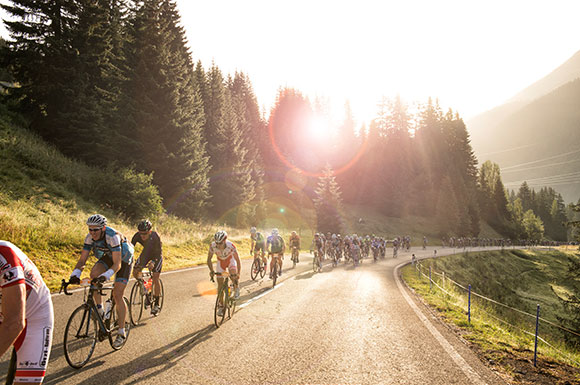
<point x="274" y="231"/>
<point x="294" y="233"/>
<point x="317" y="235"/>
<point x="97" y="220"/>
<point x="253" y="230"/>
<point x="144" y="225"/>
<point x="220" y="236"/>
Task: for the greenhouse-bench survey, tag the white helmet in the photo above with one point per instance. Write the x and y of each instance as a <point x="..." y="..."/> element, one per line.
<point x="97" y="220"/>
<point x="274" y="231"/>
<point x="253" y="230"/>
<point x="220" y="236"/>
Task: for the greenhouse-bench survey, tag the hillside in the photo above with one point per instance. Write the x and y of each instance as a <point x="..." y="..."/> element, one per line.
<point x="535" y="135"/>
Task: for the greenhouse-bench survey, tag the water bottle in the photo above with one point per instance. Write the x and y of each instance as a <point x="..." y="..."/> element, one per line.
<point x="108" y="306"/>
<point x="149" y="284"/>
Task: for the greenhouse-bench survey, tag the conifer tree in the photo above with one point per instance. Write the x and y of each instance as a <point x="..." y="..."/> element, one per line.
<point x="166" y="112"/>
<point x="328" y="203"/>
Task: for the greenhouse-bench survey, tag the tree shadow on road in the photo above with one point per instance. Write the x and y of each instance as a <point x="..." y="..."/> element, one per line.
<point x="162" y="359"/>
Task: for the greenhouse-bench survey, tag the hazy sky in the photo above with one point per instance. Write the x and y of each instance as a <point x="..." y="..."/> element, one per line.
<point x="472" y="55"/>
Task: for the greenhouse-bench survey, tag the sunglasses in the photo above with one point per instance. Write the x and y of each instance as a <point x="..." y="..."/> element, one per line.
<point x="95" y="230"/>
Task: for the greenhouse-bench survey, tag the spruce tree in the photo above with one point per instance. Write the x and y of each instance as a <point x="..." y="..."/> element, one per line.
<point x="328" y="203"/>
<point x="166" y="112"/>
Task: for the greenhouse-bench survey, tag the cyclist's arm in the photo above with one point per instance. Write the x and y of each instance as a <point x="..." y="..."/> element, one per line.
<point x="209" y="263"/>
<point x="83" y="259"/>
<point x="237" y="258"/>
<point x="116" y="257"/>
<point x="13" y="307"/>
<point x="135" y="239"/>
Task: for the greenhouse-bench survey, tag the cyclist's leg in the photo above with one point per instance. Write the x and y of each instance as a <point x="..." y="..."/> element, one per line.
<point x="156" y="274"/>
<point x="99" y="268"/>
<point x="33" y="350"/>
<point x="121" y="280"/>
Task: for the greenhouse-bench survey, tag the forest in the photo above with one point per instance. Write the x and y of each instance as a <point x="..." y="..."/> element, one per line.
<point x="113" y="84"/>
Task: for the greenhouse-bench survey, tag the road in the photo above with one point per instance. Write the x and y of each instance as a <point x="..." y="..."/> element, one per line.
<point x="344" y="325"/>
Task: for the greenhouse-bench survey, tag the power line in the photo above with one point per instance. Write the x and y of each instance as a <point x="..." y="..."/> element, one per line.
<point x="544" y="166"/>
<point x="540" y="160"/>
<point x="560" y="176"/>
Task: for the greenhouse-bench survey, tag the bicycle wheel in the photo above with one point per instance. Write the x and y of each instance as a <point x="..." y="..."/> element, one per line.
<point x="161" y="297"/>
<point x="262" y="270"/>
<point x="115" y="324"/>
<point x="219" y="319"/>
<point x="137" y="299"/>
<point x="315" y="263"/>
<point x="231" y="302"/>
<point x="255" y="269"/>
<point x="80" y="336"/>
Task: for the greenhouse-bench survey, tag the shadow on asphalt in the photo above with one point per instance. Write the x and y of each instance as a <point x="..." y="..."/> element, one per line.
<point x="161" y="360"/>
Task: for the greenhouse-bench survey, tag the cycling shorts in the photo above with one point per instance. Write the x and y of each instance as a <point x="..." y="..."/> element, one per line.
<point x="123" y="273"/>
<point x="32" y="349"/>
<point x="228" y="263"/>
<point x="157" y="263"/>
<point x="260" y="247"/>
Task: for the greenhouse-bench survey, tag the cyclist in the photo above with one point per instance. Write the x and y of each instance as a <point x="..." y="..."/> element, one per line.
<point x="115" y="256"/>
<point x="276" y="247"/>
<point x="318" y="245"/>
<point x="26" y="318"/>
<point x="151" y="252"/>
<point x="258" y="245"/>
<point x="294" y="242"/>
<point x="227" y="258"/>
<point x="424" y="242"/>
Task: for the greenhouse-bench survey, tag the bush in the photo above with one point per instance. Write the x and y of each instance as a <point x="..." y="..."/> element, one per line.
<point x="128" y="192"/>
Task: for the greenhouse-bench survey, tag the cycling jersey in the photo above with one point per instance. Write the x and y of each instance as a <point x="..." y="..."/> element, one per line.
<point x="111" y="241"/>
<point x="151" y="251"/>
<point x="34" y="343"/>
<point x="225" y="257"/>
<point x="260" y="242"/>
<point x="295" y="241"/>
<point x="277" y="243"/>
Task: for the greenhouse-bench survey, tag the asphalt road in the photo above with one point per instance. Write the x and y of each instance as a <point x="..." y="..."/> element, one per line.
<point x="344" y="325"/>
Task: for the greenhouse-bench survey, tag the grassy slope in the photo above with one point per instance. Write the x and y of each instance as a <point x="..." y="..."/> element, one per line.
<point x="518" y="278"/>
<point x="40" y="213"/>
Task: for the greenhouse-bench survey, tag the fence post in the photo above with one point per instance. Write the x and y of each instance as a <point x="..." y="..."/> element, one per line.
<point x="536" y="338"/>
<point x="469" y="304"/>
<point x="430" y="281"/>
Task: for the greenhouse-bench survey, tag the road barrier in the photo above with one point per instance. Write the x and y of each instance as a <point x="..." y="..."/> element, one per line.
<point x="481" y="307"/>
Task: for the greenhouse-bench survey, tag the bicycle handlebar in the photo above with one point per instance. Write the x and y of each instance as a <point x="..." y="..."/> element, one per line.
<point x="63" y="286"/>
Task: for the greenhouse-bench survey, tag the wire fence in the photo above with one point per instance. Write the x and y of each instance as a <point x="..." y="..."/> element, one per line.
<point x="528" y="329"/>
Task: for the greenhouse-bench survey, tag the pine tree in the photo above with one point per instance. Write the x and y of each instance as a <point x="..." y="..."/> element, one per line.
<point x="328" y="203"/>
<point x="40" y="51"/>
<point x="166" y="112"/>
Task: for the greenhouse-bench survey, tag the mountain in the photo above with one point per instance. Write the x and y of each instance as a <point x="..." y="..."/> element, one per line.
<point x="535" y="136"/>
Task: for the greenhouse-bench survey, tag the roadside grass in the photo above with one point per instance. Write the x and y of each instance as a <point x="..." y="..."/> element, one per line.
<point x="520" y="279"/>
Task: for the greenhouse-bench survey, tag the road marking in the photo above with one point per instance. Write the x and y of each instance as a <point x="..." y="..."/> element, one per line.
<point x="133" y="279"/>
<point x="471" y="374"/>
<point x="260" y="296"/>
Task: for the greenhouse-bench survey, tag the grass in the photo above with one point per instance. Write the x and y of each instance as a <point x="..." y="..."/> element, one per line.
<point x="518" y="278"/>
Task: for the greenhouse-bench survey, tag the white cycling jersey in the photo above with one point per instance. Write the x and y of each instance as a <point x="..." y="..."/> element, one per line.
<point x="34" y="343"/>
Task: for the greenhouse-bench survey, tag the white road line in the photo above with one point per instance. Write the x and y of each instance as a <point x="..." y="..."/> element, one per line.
<point x="132" y="279"/>
<point x="260" y="296"/>
<point x="474" y="378"/>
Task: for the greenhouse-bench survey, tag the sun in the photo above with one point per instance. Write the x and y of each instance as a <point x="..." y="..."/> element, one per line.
<point x="319" y="127"/>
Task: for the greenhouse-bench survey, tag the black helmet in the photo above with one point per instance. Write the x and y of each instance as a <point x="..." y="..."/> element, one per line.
<point x="144" y="225"/>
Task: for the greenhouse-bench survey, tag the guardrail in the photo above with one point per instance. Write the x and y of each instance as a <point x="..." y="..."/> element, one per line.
<point x="481" y="306"/>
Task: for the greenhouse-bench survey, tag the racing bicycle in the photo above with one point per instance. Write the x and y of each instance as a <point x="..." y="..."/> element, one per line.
<point x="86" y="326"/>
<point x="227" y="305"/>
<point x="142" y="297"/>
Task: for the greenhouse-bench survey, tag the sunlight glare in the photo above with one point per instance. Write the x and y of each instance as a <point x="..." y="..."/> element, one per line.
<point x="320" y="128"/>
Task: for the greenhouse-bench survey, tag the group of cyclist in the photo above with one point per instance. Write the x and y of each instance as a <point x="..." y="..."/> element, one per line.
<point x="28" y="325"/>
